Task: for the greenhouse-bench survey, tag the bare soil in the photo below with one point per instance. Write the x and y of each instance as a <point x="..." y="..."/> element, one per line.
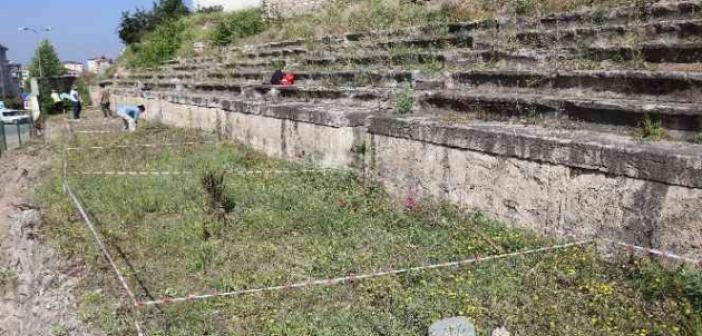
<point x="35" y="283"/>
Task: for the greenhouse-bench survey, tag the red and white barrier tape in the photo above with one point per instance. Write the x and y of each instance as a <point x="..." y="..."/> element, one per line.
<point x="655" y="252"/>
<point x="94" y="131"/>
<point x="227" y="171"/>
<point x="103" y="249"/>
<point x="101" y="245"/>
<point x="352" y="277"/>
<point x="168" y="144"/>
<point x="134" y="173"/>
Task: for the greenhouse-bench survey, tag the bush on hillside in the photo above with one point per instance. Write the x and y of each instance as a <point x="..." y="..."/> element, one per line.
<point x="210" y="9"/>
<point x="237" y="25"/>
<point x="159" y="46"/>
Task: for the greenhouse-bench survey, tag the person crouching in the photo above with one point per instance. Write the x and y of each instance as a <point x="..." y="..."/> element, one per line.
<point x="130" y="115"/>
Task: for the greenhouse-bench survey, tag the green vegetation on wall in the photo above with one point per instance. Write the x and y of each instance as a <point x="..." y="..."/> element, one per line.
<point x="159" y="46"/>
<point x="175" y="34"/>
<point x="237" y="25"/>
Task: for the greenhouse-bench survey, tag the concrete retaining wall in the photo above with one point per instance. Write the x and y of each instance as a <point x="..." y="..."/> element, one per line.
<point x="588" y="188"/>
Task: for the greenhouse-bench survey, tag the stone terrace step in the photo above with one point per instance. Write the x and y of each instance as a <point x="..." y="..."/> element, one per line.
<point x="381" y="58"/>
<point x="665" y="85"/>
<point x="663" y="10"/>
<point x="266" y="92"/>
<point x="683" y="84"/>
<point x="618" y="112"/>
<point x="667" y="162"/>
<point x="275" y="53"/>
<point x="654" y="52"/>
<point x="669" y="30"/>
<point x="329" y="78"/>
<point x="299" y="43"/>
<point x="319" y="113"/>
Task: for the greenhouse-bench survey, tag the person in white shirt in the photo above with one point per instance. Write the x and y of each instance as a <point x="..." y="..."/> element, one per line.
<point x="76" y="101"/>
<point x="58" y="103"/>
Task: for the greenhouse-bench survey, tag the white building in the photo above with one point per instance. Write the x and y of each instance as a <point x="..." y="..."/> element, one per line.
<point x="99" y="65"/>
<point x="227" y="4"/>
<point x="75" y="69"/>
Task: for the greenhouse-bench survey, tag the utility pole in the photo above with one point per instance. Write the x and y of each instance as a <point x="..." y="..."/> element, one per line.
<point x="38" y="33"/>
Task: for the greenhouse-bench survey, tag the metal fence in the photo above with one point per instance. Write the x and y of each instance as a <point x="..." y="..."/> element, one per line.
<point x="13" y="135"/>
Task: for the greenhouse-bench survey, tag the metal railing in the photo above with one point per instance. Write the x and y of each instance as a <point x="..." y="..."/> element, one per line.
<point x="14" y="134"/>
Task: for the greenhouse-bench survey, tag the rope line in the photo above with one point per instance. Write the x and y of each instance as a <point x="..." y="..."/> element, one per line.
<point x="655" y="252"/>
<point x="230" y="171"/>
<point x="133" y="173"/>
<point x="353" y="277"/>
<point x="94" y="132"/>
<point x="168" y="144"/>
<point x="101" y="245"/>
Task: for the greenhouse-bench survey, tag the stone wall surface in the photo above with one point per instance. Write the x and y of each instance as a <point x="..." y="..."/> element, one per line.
<point x="226" y="4"/>
<point x="551" y="199"/>
<point x="288" y="8"/>
<point x="615" y="190"/>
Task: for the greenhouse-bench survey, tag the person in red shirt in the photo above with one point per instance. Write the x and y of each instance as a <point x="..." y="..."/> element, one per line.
<point x="288" y="79"/>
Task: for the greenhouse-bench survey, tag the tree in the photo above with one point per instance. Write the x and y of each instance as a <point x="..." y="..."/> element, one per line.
<point x="169" y="9"/>
<point x="133" y="27"/>
<point x="50" y="63"/>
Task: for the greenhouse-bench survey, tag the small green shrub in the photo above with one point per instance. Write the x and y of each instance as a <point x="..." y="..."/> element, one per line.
<point x="237" y="25"/>
<point x="693" y="288"/>
<point x="13" y="103"/>
<point x="582" y="49"/>
<point x="697" y="139"/>
<point x="404" y="101"/>
<point x="59" y="330"/>
<point x="599" y="16"/>
<point x="82" y="86"/>
<point x="655" y="282"/>
<point x="159" y="46"/>
<point x="523" y="7"/>
<point x="210" y="9"/>
<point x="652" y="128"/>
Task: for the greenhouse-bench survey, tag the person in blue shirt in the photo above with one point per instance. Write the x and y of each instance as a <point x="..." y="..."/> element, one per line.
<point x="130" y="115"/>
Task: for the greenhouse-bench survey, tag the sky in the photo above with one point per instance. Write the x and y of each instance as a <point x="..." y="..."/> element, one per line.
<point x="82" y="29"/>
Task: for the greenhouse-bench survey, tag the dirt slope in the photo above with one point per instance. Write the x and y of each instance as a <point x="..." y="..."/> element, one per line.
<point x="35" y="283"/>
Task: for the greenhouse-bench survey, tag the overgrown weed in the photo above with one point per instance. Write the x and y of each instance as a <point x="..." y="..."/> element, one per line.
<point x="652" y="128"/>
<point x="405" y="100"/>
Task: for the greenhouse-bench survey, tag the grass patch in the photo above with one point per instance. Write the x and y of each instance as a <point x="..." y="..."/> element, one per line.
<point x="652" y="128"/>
<point x="237" y="25"/>
<point x="405" y="100"/>
<point x="306" y="225"/>
<point x="696" y="139"/>
<point x="8" y="279"/>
